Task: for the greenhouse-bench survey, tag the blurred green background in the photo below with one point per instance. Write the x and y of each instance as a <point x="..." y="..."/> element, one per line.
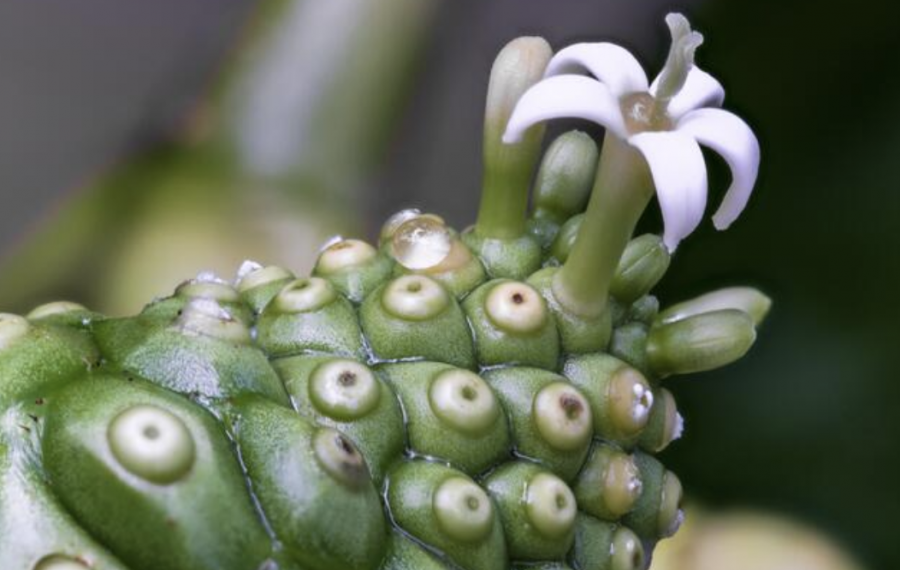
<point x="143" y="142"/>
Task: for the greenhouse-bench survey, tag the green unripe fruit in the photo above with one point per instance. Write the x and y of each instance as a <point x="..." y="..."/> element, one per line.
<point x="204" y="352"/>
<point x="463" y="510"/>
<point x="577" y="335"/>
<point x="208" y="287"/>
<point x="414" y="298"/>
<point x="701" y="342"/>
<point x="657" y="512"/>
<point x="257" y="285"/>
<point x="512" y="325"/>
<point x="348" y="396"/>
<point x="63" y="313"/>
<point x="36" y="358"/>
<point x="562" y="416"/>
<point x="308" y="315"/>
<point x="344" y="390"/>
<point x="406" y="554"/>
<point x="102" y="472"/>
<point x="566" y="174"/>
<point x="665" y="424"/>
<point x="415" y="317"/>
<point x="315" y="488"/>
<point x="152" y="443"/>
<point x="449" y="512"/>
<point x="451" y="414"/>
<point x="204" y="286"/>
<point x="463" y="401"/>
<point x="619" y="395"/>
<point x="643" y="263"/>
<point x="549" y="418"/>
<point x="609" y="484"/>
<point x="537" y="508"/>
<point x="354" y="267"/>
<point x="602" y="545"/>
<point x="207" y="318"/>
<point x="512" y="258"/>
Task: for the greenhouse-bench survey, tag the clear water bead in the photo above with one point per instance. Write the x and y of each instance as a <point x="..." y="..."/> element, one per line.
<point x="421" y="242"/>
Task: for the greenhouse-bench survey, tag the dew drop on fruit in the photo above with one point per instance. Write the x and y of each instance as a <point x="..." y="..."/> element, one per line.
<point x="421" y="243"/>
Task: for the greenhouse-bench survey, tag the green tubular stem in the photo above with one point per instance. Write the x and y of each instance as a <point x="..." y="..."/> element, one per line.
<point x="622" y="190"/>
<point x="508" y="168"/>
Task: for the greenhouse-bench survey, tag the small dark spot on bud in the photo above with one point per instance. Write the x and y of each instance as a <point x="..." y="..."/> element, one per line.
<point x="571" y="405"/>
<point x="347" y="378"/>
<point x="414" y="287"/>
<point x="344" y="445"/>
<point x="469" y="393"/>
<point x="341" y="245"/>
<point x="518" y="298"/>
<point x="473" y="503"/>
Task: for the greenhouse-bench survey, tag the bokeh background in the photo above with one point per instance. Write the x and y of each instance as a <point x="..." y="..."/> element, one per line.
<point x="142" y="142"/>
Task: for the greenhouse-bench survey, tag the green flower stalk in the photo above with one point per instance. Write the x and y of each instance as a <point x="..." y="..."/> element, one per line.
<point x="485" y="400"/>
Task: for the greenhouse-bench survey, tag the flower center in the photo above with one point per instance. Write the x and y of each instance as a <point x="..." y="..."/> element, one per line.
<point x="644" y="113"/>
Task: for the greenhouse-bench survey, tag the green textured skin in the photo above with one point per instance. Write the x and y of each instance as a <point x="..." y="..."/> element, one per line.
<point x="517" y="388"/>
<point x="525" y="542"/>
<point x="592" y="374"/>
<point x="117" y="507"/>
<point x="444" y="337"/>
<point x="258" y="297"/>
<point x="410" y="498"/>
<point x="494" y="345"/>
<point x="379" y="434"/>
<point x="357" y="282"/>
<point x="307" y="507"/>
<point x="237" y="370"/>
<point x="576" y="335"/>
<point x="431" y="437"/>
<point x="506" y="258"/>
<point x="332" y="329"/>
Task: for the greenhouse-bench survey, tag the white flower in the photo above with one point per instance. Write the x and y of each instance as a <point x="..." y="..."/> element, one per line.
<point x="664" y="121"/>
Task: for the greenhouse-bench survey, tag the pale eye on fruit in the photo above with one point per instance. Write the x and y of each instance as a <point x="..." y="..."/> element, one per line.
<point x="152" y="443"/>
<point x="463" y="509"/>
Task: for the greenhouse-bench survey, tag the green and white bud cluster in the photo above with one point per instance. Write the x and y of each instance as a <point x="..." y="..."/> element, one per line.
<point x="477" y="400"/>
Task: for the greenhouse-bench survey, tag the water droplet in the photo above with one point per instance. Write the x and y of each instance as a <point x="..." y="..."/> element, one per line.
<point x="395" y="221"/>
<point x="421" y="242"/>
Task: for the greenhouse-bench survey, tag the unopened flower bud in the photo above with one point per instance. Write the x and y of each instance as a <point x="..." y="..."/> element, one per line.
<point x="746" y="299"/>
<point x="643" y="263"/>
<point x="701" y="342"/>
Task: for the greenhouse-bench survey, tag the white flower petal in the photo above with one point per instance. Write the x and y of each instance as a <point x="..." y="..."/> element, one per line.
<point x="679" y="175"/>
<point x="572" y="96"/>
<point x="611" y="64"/>
<point x="700" y="90"/>
<point x="728" y="135"/>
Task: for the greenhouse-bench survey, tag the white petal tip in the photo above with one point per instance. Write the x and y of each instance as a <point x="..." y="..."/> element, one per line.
<point x="721" y="224"/>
